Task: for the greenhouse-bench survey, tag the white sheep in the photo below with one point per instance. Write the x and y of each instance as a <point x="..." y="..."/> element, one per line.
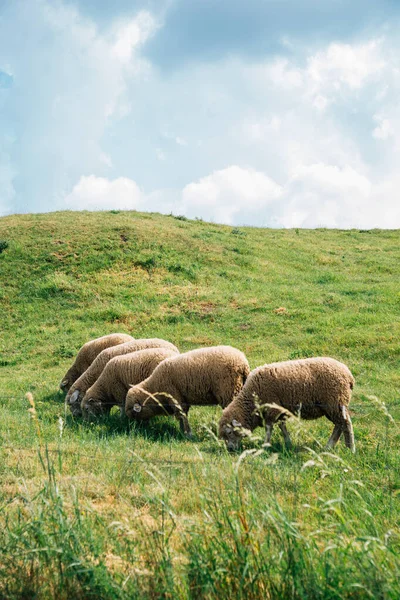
<point x="119" y="374"/>
<point x="88" y="353"/>
<point x="310" y="388"/>
<point x="203" y="377"/>
<point x="82" y="384"/>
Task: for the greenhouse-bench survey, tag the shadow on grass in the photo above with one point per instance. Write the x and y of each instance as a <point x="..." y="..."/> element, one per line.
<point x="166" y="430"/>
<point x="156" y="430"/>
<point x="56" y="396"/>
<point x="213" y="447"/>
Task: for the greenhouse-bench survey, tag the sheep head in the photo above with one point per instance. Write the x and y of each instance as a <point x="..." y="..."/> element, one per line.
<point x="64" y="385"/>
<point x="231" y="431"/>
<point x="92" y="407"/>
<point x="143" y="405"/>
<point x="74" y="402"/>
<point x="69" y="379"/>
<point x="136" y="406"/>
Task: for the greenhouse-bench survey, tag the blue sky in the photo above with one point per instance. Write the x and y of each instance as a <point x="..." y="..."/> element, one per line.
<point x="279" y="113"/>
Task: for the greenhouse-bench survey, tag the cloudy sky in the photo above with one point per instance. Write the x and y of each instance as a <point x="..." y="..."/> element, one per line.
<point x="280" y="113"/>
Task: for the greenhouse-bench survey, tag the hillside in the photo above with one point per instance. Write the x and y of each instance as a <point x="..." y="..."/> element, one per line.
<point x="114" y="510"/>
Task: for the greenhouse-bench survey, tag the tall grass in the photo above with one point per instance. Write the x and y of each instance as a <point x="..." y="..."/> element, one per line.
<point x="51" y="547"/>
<point x="243" y="545"/>
<point x="255" y="549"/>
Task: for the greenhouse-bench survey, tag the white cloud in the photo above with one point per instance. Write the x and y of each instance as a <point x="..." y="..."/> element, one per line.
<point x="320" y="102"/>
<point x="131" y="35"/>
<point x="99" y="193"/>
<point x="7" y="191"/>
<point x="384" y="129"/>
<point x="260" y="129"/>
<point x="384" y="209"/>
<point x="317" y="195"/>
<point x="334" y="179"/>
<point x="229" y="195"/>
<point x="322" y="195"/>
<point x="345" y="65"/>
<point x="282" y="74"/>
<point x="290" y="142"/>
<point x="294" y="137"/>
<point x="70" y="84"/>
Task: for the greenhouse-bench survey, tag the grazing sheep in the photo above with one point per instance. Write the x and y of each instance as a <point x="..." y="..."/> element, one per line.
<point x="119" y="374"/>
<point x="206" y="376"/>
<point x="82" y="384"/>
<point x="88" y="353"/>
<point x="310" y="388"/>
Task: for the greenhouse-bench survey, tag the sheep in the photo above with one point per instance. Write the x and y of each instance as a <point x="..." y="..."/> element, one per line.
<point x="77" y="391"/>
<point x="88" y="353"/>
<point x="310" y="387"/>
<point x="119" y="374"/>
<point x="206" y="376"/>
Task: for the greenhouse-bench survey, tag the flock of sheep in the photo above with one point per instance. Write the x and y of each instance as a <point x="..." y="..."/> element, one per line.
<point x="148" y="377"/>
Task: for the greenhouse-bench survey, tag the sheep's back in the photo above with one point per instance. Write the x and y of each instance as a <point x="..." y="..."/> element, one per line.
<point x="134" y="367"/>
<point x="89" y="351"/>
<point x="127" y="348"/>
<point x="196" y="373"/>
<point x="88" y="378"/>
<point x="301" y="382"/>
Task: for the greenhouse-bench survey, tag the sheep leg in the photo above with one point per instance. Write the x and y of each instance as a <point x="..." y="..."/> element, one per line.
<point x="268" y="433"/>
<point x="181" y="414"/>
<point x="185" y="427"/>
<point x="285" y="433"/>
<point x="348" y="430"/>
<point x="336" y="433"/>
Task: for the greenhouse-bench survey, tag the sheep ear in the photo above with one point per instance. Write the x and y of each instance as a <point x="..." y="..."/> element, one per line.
<point x="74" y="396"/>
<point x="236" y="423"/>
<point x="137" y="407"/>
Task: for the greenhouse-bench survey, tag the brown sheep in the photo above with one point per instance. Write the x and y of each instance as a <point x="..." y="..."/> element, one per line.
<point x="203" y="377"/>
<point x="87" y="379"/>
<point x="119" y="374"/>
<point x="88" y="353"/>
<point x="310" y="388"/>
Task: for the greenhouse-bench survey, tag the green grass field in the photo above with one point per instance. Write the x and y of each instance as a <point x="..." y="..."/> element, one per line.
<point x="118" y="510"/>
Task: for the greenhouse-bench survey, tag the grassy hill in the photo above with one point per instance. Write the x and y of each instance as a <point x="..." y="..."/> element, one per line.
<point x="118" y="510"/>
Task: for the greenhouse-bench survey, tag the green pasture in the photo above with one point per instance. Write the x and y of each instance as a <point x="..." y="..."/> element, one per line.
<point x="118" y="510"/>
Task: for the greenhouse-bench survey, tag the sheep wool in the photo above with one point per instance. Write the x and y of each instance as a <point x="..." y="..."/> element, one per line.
<point x="118" y="375"/>
<point x="206" y="376"/>
<point x="310" y="388"/>
<point x="82" y="384"/>
<point x="88" y="353"/>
